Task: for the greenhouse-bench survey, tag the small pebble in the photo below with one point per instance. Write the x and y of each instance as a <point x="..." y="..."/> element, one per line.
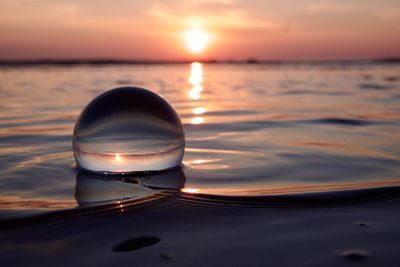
<point x="166" y="256"/>
<point x="355" y="254"/>
<point x="136" y="243"/>
<point x="362" y="224"/>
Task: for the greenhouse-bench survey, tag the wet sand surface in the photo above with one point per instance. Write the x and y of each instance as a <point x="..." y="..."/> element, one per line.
<point x="347" y="228"/>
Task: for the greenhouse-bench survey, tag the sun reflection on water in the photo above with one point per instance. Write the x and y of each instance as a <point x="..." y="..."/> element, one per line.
<point x="194" y="94"/>
<point x="190" y="190"/>
<point x="199" y="110"/>
<point x="197" y="120"/>
<point x="196" y="78"/>
<point x="121" y="207"/>
<point x="196" y="74"/>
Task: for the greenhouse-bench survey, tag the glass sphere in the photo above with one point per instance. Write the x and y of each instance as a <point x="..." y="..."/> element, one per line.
<point x="128" y="129"/>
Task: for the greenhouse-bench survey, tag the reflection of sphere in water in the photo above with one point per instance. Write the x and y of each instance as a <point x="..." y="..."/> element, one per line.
<point x="94" y="188"/>
<point x="128" y="129"/>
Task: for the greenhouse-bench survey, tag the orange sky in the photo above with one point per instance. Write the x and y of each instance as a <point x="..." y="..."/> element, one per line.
<point x="241" y="29"/>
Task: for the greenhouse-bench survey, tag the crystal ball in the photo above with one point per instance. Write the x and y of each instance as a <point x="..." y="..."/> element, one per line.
<point x="128" y="129"/>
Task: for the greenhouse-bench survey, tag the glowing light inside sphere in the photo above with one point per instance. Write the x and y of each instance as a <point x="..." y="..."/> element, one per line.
<point x="118" y="157"/>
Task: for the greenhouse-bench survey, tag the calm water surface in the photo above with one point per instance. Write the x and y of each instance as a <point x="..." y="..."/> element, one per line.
<point x="250" y="130"/>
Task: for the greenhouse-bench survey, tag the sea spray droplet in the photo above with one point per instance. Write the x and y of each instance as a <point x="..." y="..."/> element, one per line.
<point x="128" y="129"/>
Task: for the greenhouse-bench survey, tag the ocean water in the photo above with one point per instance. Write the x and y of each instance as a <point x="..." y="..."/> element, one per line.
<point x="251" y="130"/>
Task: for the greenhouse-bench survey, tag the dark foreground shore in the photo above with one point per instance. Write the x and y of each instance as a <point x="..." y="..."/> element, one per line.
<point x="351" y="228"/>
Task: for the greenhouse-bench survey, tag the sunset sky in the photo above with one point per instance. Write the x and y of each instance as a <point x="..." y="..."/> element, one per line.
<point x="236" y="29"/>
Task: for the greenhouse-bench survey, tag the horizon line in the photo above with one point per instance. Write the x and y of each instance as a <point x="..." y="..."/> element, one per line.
<point x="106" y="61"/>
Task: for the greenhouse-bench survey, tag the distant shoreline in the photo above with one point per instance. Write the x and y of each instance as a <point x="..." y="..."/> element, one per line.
<point x="388" y="60"/>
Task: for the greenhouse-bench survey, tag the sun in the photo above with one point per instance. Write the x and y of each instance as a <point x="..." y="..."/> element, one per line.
<point x="196" y="40"/>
